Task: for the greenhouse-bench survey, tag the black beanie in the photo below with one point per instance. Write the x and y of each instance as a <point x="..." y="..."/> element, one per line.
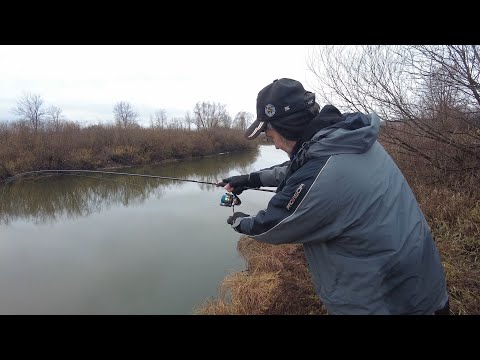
<point x="292" y="127"/>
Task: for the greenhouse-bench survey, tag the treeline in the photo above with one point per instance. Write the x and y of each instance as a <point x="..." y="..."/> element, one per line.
<point x="43" y="138"/>
<point x="32" y="110"/>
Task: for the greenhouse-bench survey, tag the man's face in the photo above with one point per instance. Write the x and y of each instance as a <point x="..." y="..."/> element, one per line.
<point x="279" y="141"/>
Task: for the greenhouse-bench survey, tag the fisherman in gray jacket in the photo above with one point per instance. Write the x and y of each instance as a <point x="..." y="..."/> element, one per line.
<point x="367" y="243"/>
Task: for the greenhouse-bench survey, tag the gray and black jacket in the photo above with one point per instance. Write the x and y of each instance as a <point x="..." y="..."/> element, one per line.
<point x="368" y="245"/>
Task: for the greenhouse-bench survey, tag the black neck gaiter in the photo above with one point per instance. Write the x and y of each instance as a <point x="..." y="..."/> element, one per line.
<point x="328" y="116"/>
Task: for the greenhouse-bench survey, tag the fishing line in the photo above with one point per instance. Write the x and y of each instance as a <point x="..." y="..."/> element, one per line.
<point x="15" y="177"/>
<point x="229" y="199"/>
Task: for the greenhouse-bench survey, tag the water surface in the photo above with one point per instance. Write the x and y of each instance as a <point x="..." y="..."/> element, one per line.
<point x="123" y="245"/>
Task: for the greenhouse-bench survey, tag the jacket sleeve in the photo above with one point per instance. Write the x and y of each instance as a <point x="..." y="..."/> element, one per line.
<point x="305" y="210"/>
<point x="274" y="175"/>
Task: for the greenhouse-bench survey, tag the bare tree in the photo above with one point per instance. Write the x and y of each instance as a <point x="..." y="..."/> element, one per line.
<point x="460" y="65"/>
<point x="225" y="120"/>
<point x="242" y="120"/>
<point x="55" y="117"/>
<point x="30" y="108"/>
<point x="159" y="119"/>
<point x="427" y="96"/>
<point x="208" y="115"/>
<point x="188" y="120"/>
<point x="124" y="114"/>
<point x="176" y="123"/>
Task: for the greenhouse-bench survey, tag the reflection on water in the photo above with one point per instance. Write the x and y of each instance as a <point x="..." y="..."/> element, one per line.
<point x="105" y="244"/>
<point x="52" y="197"/>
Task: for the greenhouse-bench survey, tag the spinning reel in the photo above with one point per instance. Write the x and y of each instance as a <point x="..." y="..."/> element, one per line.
<point x="230" y="200"/>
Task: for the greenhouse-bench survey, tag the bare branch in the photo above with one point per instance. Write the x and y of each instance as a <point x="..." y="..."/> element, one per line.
<point x="124" y="114"/>
<point x="208" y="115"/>
<point x="429" y="94"/>
<point x="30" y="108"/>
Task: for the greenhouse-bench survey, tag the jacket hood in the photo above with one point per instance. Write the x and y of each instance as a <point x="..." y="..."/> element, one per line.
<point x="354" y="134"/>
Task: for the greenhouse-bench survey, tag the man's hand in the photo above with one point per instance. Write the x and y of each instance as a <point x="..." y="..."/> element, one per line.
<point x="237" y="184"/>
<point x="235" y="216"/>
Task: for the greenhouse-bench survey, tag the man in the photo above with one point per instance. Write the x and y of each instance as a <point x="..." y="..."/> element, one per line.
<point x="367" y="243"/>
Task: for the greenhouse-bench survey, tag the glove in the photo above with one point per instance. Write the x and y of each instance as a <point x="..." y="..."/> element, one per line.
<point x="235" y="216"/>
<point x="240" y="183"/>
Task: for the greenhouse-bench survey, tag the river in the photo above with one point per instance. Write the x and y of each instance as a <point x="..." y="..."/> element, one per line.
<point x="108" y="244"/>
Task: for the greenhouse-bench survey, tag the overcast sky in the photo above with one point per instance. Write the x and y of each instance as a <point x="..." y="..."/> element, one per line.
<point x="86" y="81"/>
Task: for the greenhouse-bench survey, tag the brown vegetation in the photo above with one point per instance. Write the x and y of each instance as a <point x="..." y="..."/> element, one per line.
<point x="70" y="146"/>
<point x="276" y="282"/>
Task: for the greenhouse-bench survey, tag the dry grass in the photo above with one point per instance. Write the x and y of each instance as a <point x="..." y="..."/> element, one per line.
<point x="454" y="218"/>
<point x="277" y="282"/>
<point x="23" y="149"/>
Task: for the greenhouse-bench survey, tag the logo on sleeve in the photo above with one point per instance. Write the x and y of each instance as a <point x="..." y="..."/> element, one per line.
<point x="295" y="196"/>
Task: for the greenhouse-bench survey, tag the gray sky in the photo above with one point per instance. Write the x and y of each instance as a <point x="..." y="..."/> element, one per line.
<point x="86" y="81"/>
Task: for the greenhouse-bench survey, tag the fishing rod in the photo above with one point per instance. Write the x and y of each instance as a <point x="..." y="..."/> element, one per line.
<point x="229" y="199"/>
<point x="14" y="177"/>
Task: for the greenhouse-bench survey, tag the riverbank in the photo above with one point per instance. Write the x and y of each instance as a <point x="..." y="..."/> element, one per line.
<point x="105" y="147"/>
